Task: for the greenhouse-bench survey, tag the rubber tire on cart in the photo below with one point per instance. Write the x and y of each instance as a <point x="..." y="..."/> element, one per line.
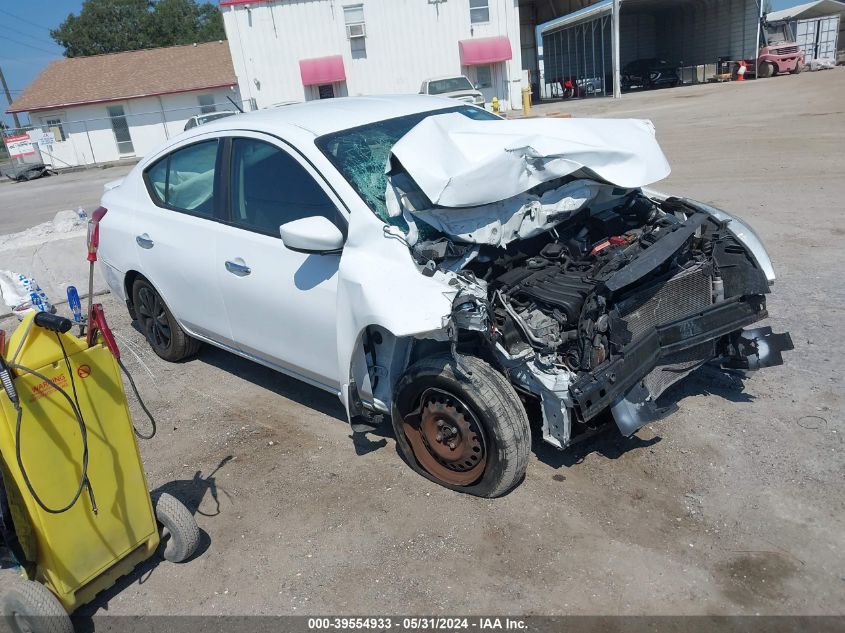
<point x="27" y="606"/>
<point x="484" y="406"/>
<point x="164" y="334"/>
<point x="180" y="533"/>
<point x="766" y="70"/>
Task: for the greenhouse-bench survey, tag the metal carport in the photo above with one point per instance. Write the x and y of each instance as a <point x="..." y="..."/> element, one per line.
<point x="582" y="47"/>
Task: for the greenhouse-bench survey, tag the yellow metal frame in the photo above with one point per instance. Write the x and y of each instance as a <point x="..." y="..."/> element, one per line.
<point x="77" y="554"/>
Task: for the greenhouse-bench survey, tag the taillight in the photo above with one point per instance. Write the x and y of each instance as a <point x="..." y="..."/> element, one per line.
<point x="94" y="232"/>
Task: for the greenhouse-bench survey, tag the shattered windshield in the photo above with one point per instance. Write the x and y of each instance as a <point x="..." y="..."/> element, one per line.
<point x="360" y="154"/>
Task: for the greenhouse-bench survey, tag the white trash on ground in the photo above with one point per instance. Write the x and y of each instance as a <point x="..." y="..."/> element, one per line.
<point x="22" y="294"/>
<point x="65" y="224"/>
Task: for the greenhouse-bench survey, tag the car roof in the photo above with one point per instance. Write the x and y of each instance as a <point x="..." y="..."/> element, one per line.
<point x="330" y="115"/>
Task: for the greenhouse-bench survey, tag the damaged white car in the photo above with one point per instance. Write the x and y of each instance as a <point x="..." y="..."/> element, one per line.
<point x="436" y="266"/>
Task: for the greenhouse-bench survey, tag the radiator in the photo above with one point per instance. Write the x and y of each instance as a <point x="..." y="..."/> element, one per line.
<point x="683" y="295"/>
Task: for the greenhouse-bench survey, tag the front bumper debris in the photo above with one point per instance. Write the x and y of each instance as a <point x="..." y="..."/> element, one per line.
<point x="620" y="384"/>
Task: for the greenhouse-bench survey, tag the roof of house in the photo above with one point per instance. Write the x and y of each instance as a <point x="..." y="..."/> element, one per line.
<point x="809" y="10"/>
<point x="117" y="76"/>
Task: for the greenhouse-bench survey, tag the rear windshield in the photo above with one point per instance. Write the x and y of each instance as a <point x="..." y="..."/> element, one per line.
<point x="453" y="84"/>
<point x="360" y="154"/>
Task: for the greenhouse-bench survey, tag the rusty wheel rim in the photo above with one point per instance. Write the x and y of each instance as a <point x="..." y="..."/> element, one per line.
<point x="446" y="438"/>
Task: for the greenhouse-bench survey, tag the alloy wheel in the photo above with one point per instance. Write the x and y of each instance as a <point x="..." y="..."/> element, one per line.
<point x="153" y="318"/>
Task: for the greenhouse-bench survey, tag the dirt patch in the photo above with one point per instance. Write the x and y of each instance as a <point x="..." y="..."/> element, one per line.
<point x="751" y="576"/>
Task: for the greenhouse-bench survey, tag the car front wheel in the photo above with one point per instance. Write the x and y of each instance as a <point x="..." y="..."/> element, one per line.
<point x="160" y="328"/>
<point x="466" y="431"/>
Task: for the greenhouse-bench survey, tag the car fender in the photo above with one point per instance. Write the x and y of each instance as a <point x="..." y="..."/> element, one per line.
<point x="379" y="285"/>
<point x="737" y="226"/>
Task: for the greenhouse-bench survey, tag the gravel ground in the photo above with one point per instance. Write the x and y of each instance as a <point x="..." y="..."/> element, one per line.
<point x="733" y="505"/>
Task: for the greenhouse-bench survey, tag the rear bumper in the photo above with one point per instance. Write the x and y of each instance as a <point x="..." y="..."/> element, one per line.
<point x="620" y="383"/>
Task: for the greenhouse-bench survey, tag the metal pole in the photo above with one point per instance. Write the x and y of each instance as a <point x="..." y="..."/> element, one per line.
<point x="88" y="134"/>
<point x="164" y="118"/>
<point x="617" y="77"/>
<point x="759" y="27"/>
<point x="603" y="61"/>
<point x="9" y="97"/>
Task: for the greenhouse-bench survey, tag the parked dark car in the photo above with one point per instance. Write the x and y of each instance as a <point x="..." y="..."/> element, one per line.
<point x="649" y="73"/>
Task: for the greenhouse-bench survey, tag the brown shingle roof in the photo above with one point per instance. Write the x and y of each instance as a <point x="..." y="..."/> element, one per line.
<point x="153" y="71"/>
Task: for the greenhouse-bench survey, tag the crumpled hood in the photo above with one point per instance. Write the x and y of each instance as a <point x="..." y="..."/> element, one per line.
<point x="461" y="162"/>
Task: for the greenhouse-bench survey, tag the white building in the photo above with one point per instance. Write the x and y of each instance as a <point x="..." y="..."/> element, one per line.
<point x="309" y="49"/>
<point x="107" y="108"/>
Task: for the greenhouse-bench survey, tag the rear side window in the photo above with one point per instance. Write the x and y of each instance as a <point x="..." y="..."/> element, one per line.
<point x="270" y="188"/>
<point x="184" y="180"/>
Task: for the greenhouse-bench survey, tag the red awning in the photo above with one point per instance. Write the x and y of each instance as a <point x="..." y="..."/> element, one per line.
<point x="322" y="70"/>
<point x="485" y="50"/>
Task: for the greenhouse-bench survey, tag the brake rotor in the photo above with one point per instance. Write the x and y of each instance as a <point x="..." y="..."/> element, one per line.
<point x="446" y="438"/>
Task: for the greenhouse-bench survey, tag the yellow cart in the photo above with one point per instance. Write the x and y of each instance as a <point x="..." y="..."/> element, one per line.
<point x="69" y="441"/>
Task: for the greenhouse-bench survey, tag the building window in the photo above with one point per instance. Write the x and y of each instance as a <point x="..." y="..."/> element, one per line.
<point x="56" y="127"/>
<point x="479" y="11"/>
<point x="207" y="104"/>
<point x="326" y="92"/>
<point x="484" y="76"/>
<point x="356" y="31"/>
<point x="121" y="130"/>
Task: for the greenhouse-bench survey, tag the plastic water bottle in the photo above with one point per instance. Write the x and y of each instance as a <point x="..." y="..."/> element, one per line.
<point x="82" y="216"/>
<point x="74" y="304"/>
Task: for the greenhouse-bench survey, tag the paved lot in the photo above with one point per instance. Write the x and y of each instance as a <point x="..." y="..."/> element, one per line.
<point x="25" y="204"/>
<point x="733" y="505"/>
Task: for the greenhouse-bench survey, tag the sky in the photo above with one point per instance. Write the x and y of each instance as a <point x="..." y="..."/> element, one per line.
<point x="26" y="46"/>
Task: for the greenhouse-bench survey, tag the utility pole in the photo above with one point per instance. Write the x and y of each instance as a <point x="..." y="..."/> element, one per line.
<point x="8" y="97"/>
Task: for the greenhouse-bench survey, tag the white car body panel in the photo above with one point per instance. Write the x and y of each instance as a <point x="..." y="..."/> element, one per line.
<point x="460" y="162"/>
<point x="305" y="314"/>
<point x="374" y="281"/>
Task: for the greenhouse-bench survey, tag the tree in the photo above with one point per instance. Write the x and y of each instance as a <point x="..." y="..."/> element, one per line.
<point x="113" y="26"/>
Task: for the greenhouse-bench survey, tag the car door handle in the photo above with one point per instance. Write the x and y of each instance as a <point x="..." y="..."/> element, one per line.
<point x="241" y="270"/>
<point x="144" y="241"/>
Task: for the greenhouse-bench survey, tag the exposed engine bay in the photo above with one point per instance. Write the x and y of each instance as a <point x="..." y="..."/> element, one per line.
<point x="607" y="308"/>
<point x="586" y="292"/>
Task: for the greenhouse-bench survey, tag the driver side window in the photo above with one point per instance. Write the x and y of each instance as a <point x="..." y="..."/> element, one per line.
<point x="270" y="188"/>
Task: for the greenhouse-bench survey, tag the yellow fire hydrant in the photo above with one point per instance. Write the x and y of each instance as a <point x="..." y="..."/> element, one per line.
<point x="495" y="104"/>
<point x="526" y="101"/>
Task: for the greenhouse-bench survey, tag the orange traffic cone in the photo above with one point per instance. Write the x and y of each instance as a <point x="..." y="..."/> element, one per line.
<point x="740" y="72"/>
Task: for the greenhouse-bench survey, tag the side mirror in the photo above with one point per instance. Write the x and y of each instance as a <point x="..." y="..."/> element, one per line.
<point x="312" y="235"/>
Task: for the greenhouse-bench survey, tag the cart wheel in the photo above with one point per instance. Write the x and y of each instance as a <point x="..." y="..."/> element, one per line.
<point x="27" y="606"/>
<point x="180" y="534"/>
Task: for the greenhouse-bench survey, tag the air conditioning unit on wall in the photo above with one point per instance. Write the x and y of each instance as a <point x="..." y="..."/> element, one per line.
<point x="355" y="30"/>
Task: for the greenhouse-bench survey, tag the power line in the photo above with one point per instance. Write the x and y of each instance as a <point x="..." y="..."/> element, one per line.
<point x="32" y="37"/>
<point x="24" y="20"/>
<point x="43" y="50"/>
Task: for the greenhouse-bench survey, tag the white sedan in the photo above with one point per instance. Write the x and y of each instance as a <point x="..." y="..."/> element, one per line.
<point x="436" y="266"/>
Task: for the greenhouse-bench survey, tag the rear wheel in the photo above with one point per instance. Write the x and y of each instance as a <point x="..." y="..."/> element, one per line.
<point x="163" y="333"/>
<point x="27" y="606"/>
<point x="467" y="433"/>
